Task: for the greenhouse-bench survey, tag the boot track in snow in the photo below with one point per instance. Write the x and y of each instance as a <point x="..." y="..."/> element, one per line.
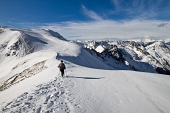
<point x="50" y="97"/>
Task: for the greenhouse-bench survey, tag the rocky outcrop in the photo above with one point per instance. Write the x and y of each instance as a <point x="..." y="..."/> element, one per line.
<point x="137" y="55"/>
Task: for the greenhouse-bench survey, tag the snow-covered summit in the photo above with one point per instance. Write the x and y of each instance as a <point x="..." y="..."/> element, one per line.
<point x="15" y="43"/>
<point x="18" y="42"/>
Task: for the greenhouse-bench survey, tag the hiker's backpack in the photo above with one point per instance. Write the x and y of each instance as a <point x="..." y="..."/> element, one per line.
<point x="62" y="66"/>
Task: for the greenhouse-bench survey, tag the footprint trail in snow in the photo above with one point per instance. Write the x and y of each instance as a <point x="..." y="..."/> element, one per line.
<point x="51" y="97"/>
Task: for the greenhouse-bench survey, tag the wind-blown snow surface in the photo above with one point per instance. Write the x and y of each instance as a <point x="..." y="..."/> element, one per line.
<point x="89" y="86"/>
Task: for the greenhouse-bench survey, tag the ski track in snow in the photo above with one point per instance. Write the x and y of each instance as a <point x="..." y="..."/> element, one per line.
<point x="51" y="97"/>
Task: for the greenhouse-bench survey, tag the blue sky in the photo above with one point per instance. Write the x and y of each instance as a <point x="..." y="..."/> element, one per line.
<point x="96" y="19"/>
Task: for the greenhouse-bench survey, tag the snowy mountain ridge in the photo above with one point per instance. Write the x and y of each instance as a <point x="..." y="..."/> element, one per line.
<point x="153" y="56"/>
<point x="98" y="76"/>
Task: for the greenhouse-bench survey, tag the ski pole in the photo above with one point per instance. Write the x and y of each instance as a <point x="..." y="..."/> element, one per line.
<point x="59" y="73"/>
<point x="65" y="73"/>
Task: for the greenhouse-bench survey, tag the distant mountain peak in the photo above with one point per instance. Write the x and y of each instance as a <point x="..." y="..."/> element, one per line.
<point x="144" y="55"/>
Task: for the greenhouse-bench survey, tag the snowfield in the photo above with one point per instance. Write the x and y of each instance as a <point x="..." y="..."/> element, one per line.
<point x="31" y="82"/>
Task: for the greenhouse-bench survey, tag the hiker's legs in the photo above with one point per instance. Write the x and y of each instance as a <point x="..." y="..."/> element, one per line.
<point x="62" y="73"/>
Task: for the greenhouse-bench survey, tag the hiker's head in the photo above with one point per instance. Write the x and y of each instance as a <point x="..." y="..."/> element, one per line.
<point x="61" y="61"/>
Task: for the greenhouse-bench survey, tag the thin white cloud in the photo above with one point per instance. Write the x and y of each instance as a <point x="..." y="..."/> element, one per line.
<point x="109" y="29"/>
<point x="144" y="9"/>
<point x="116" y="3"/>
<point x="91" y="14"/>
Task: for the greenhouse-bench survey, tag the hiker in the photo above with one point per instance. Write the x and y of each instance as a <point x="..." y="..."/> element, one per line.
<point x="62" y="67"/>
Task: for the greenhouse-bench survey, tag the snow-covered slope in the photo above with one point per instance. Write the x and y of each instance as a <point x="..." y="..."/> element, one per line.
<point x="31" y="83"/>
<point x="14" y="42"/>
<point x="45" y="45"/>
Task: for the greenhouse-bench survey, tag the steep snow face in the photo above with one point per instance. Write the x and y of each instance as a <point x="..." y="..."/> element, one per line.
<point x="14" y="43"/>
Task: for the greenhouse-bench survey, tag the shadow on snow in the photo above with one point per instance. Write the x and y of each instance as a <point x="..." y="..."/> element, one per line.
<point x="85" y="77"/>
<point x="85" y="59"/>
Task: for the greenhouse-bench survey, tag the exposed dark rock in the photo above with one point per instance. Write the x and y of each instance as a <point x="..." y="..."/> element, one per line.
<point x="162" y="70"/>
